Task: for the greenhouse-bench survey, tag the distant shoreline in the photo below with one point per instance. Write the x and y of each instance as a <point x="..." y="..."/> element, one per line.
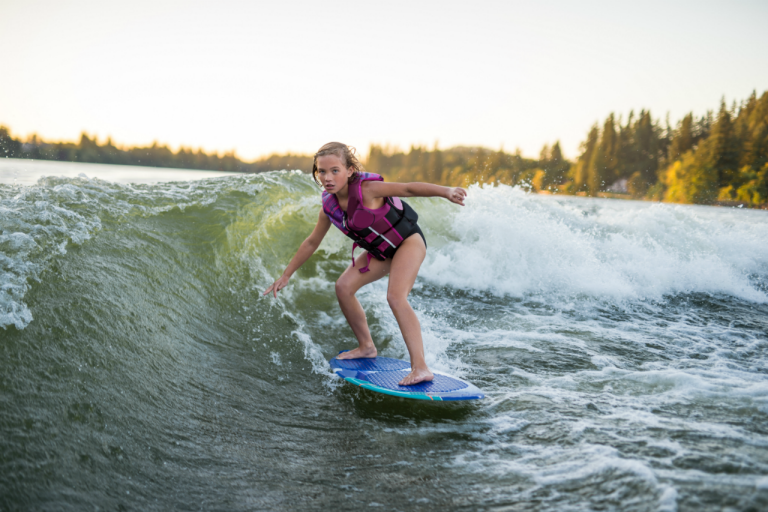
<point x="10" y="174"/>
<point x="151" y="175"/>
<point x="719" y="160"/>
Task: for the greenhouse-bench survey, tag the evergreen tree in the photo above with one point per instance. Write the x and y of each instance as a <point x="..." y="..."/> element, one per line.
<point x="9" y="147"/>
<point x="755" y="146"/>
<point x="413" y="170"/>
<point x="581" y="169"/>
<point x="88" y="149"/>
<point x="720" y="149"/>
<point x="602" y="169"/>
<point x="625" y="151"/>
<point x="375" y="160"/>
<point x="596" y="171"/>
<point x="646" y="155"/>
<point x="682" y="138"/>
<point x="479" y="167"/>
<point x="647" y="146"/>
<point x="742" y="125"/>
<point x="540" y="179"/>
<point x="499" y="167"/>
<point x="544" y="156"/>
<point x="558" y="166"/>
<point x="609" y="145"/>
<point x="435" y="166"/>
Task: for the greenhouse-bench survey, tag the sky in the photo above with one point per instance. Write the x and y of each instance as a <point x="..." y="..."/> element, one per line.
<point x="260" y="77"/>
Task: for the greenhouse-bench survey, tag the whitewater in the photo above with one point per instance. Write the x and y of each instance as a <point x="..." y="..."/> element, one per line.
<point x="622" y="347"/>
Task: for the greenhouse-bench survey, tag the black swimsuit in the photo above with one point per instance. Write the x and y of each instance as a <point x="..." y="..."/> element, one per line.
<point x="417" y="229"/>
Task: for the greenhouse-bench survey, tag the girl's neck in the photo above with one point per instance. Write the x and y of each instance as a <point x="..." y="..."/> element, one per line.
<point x="343" y="193"/>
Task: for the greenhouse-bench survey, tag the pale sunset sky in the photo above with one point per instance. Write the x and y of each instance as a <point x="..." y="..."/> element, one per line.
<point x="278" y="76"/>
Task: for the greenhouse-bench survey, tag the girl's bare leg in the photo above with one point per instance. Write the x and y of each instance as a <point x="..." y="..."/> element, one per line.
<point x="402" y="274"/>
<point x="346" y="288"/>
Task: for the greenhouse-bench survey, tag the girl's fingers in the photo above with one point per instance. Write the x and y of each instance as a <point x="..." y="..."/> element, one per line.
<point x="273" y="288"/>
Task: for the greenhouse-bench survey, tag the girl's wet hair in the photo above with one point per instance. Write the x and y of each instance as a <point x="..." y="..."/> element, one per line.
<point x="345" y="153"/>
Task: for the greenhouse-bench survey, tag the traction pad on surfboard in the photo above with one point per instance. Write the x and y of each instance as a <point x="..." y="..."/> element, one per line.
<point x="371" y="364"/>
<point x="382" y="374"/>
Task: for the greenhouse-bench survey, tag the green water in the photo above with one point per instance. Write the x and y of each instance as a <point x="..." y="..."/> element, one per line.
<point x="622" y="349"/>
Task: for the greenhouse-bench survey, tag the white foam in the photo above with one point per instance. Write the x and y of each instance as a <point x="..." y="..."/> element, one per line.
<point x="37" y="225"/>
<point x="511" y="243"/>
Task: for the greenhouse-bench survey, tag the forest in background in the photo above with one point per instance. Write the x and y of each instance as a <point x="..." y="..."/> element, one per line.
<point x="88" y="150"/>
<point x="713" y="159"/>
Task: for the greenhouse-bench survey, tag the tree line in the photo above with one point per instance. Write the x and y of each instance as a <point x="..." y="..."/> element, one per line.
<point x="89" y="150"/>
<point x="461" y="166"/>
<point x="716" y="158"/>
<point x="711" y="159"/>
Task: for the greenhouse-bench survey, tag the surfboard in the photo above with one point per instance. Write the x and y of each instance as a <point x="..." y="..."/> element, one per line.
<point x="382" y="374"/>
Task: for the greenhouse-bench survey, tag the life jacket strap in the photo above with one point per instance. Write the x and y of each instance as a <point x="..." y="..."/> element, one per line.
<point x="370" y="256"/>
<point x="365" y="268"/>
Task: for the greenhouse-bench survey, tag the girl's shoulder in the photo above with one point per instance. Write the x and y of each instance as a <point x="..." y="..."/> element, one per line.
<point x="368" y="176"/>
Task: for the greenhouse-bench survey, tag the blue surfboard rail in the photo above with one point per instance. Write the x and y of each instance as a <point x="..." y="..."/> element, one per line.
<point x="382" y="374"/>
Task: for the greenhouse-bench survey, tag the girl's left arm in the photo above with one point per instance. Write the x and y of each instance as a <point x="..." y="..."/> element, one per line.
<point x="382" y="189"/>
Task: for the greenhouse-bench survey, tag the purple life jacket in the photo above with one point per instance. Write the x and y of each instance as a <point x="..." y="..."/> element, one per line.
<point x="380" y="231"/>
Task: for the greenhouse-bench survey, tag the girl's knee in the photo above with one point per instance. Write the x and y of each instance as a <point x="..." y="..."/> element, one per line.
<point x="397" y="301"/>
<point x="343" y="289"/>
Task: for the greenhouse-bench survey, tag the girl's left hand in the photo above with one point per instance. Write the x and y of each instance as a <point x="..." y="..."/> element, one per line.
<point x="456" y="195"/>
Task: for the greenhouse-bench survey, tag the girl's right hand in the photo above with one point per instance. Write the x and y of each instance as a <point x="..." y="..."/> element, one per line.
<point x="277" y="285"/>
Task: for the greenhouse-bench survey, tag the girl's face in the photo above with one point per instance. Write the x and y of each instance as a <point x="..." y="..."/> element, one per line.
<point x="332" y="173"/>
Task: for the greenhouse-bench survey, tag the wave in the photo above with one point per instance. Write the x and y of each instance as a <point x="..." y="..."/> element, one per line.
<point x="510" y="242"/>
<point x="504" y="242"/>
<point x="599" y="330"/>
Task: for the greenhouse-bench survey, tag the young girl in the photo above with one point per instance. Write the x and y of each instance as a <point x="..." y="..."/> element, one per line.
<point x="370" y="212"/>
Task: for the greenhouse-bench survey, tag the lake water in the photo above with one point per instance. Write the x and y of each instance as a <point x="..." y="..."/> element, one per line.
<point x="622" y="347"/>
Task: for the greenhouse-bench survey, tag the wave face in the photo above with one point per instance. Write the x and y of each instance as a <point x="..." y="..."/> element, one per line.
<point x="622" y="347"/>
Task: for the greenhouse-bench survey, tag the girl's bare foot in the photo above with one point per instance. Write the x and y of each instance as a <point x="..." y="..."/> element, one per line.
<point x="416" y="376"/>
<point x="358" y="353"/>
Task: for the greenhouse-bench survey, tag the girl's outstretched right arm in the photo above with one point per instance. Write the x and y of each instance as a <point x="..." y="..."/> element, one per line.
<point x="306" y="249"/>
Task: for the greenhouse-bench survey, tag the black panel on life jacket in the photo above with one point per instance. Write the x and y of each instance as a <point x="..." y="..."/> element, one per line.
<point x="403" y="221"/>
